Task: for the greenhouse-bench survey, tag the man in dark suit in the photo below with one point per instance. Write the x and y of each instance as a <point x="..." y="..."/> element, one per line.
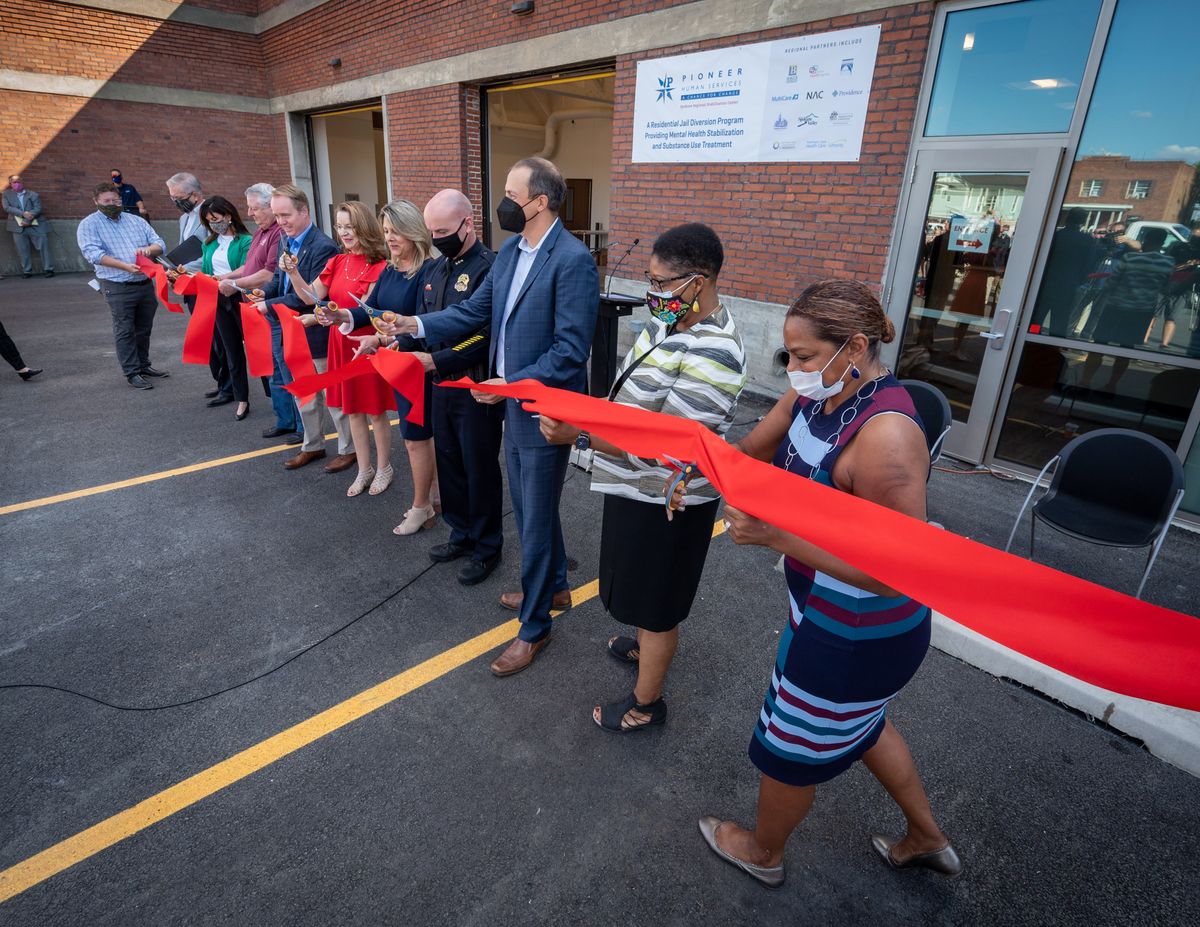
<point x="310" y="248"/>
<point x="541" y="300"/>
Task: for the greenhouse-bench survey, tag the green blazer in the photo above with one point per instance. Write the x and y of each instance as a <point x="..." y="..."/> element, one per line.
<point x="237" y="253"/>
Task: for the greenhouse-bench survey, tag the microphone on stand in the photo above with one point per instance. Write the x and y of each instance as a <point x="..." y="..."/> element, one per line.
<point x="617" y="266"/>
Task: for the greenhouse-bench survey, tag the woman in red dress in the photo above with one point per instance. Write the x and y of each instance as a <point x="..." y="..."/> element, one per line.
<point x="366" y="399"/>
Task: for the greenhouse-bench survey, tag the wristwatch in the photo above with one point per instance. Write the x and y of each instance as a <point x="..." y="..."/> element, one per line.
<point x="583" y="441"/>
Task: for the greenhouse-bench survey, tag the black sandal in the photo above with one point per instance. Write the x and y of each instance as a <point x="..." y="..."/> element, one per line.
<point x="621" y="648"/>
<point x="613" y="714"/>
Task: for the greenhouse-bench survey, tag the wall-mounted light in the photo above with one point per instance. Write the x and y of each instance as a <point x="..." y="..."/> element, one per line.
<point x="968" y="41"/>
<point x="335" y="62"/>
<point x="522" y="7"/>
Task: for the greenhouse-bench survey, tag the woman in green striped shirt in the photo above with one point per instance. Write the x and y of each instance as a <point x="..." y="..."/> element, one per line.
<point x="688" y="362"/>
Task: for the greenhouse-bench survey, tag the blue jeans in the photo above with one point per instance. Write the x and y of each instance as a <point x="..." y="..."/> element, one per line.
<point x="287" y="415"/>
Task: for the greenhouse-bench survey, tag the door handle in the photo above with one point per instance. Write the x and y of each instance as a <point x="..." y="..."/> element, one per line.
<point x="999" y="329"/>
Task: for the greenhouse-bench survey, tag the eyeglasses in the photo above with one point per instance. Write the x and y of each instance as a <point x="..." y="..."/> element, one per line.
<point x="664" y="283"/>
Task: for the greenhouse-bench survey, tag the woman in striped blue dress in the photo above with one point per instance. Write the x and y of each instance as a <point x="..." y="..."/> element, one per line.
<point x="851" y="642"/>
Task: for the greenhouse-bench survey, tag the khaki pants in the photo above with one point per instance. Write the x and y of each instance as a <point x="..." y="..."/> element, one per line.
<point x="316" y="413"/>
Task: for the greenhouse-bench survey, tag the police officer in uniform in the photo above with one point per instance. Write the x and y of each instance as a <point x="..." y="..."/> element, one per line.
<point x="466" y="434"/>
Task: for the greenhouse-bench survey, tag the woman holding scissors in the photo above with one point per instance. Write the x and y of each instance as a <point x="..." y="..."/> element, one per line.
<point x="689" y="362"/>
<point x="399" y="290"/>
<point x="225" y="248"/>
<point x="364" y="400"/>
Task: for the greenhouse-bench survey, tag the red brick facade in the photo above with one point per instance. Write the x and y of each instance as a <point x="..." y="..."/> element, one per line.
<point x="820" y="220"/>
<point x="785" y="225"/>
<point x="1170" y="183"/>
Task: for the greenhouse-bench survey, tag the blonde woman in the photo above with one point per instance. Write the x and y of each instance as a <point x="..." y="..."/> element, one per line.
<point x="398" y="290"/>
<point x="364" y="400"/>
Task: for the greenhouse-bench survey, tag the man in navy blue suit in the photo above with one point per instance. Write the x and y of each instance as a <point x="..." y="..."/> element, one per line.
<point x="541" y="300"/>
<point x="309" y="249"/>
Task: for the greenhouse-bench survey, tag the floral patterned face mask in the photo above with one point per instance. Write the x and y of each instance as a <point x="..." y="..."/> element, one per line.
<point x="669" y="308"/>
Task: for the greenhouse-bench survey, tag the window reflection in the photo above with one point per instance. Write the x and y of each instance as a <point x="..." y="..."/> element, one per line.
<point x="1061" y="392"/>
<point x="1011" y="68"/>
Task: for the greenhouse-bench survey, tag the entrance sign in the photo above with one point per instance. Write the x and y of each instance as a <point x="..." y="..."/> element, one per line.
<point x="798" y="99"/>
<point x="973" y="236"/>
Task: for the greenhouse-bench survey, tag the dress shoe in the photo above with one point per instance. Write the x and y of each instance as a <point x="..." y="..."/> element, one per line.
<point x="513" y="600"/>
<point x="477" y="570"/>
<point x="137" y="381"/>
<point x="303" y="458"/>
<point x="26" y="276"/>
<point x="444" y="553"/>
<point x="219" y="401"/>
<point x="49" y="273"/>
<point x="213" y="393"/>
<point x="518" y="656"/>
<point x="30" y="373"/>
<point x="241" y="415"/>
<point x="273" y="432"/>
<point x="340" y="462"/>
<point x="157" y="374"/>
<point x="294" y="438"/>
<point x="770" y="876"/>
<point x="945" y="860"/>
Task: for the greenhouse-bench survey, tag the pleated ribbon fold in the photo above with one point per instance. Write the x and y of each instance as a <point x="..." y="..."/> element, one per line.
<point x="1098" y="635"/>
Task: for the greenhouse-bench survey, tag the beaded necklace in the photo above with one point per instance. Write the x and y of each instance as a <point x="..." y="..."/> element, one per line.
<point x="848" y="414"/>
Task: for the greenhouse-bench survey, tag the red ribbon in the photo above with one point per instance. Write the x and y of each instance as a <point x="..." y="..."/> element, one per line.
<point x="403" y="372"/>
<point x="156" y="272"/>
<point x="198" y="339"/>
<point x="256" y="333"/>
<point x="1098" y="635"/>
<point x="296" y="352"/>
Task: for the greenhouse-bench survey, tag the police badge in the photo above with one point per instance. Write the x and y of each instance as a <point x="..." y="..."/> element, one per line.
<point x="461" y="284"/>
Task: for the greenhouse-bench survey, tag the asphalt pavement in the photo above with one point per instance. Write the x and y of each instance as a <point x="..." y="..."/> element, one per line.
<point x="471" y="800"/>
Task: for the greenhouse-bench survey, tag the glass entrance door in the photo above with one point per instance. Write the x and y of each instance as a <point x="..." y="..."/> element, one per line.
<point x="966" y="251"/>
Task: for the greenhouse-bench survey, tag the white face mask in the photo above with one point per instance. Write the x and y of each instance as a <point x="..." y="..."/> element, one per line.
<point x="809" y="383"/>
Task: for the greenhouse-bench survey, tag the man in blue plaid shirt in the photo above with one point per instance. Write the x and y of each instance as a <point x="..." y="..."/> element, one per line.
<point x="111" y="239"/>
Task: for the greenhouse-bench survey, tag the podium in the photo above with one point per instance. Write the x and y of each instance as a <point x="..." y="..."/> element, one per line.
<point x="613" y="306"/>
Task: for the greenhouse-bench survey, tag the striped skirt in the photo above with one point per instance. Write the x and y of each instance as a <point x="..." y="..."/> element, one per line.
<point x="844" y="655"/>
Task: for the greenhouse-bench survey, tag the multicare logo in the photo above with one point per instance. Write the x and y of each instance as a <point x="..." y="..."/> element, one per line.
<point x="665" y="89"/>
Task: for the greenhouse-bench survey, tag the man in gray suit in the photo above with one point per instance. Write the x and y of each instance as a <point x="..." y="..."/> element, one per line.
<point x="24" y="208"/>
<point x="187" y="195"/>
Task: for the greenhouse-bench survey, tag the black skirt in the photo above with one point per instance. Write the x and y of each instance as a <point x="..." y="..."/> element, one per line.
<point x="650" y="567"/>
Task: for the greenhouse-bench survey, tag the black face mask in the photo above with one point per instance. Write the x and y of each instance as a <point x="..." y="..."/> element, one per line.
<point x="184" y="205"/>
<point x="450" y="244"/>
<point x="512" y="215"/>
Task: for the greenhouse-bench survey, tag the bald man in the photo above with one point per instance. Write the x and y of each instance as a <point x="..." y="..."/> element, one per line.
<point x="467" y="434"/>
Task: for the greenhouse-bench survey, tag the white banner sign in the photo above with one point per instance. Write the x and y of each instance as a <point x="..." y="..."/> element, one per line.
<point x="797" y="99"/>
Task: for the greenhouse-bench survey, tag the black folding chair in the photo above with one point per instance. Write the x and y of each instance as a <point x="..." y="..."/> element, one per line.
<point x="1113" y="487"/>
<point x="934" y="410"/>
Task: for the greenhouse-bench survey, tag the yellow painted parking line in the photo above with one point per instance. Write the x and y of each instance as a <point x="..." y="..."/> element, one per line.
<point x="149" y="478"/>
<point x="99" y="837"/>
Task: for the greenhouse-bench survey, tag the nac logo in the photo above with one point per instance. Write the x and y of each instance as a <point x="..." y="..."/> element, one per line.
<point x="665" y="89"/>
<point x="815" y="95"/>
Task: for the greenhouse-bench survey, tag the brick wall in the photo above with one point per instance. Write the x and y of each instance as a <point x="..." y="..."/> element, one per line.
<point x="1170" y="182"/>
<point x="228" y="151"/>
<point x="434" y="142"/>
<point x="370" y="36"/>
<point x="53" y="38"/>
<point x="784" y="225"/>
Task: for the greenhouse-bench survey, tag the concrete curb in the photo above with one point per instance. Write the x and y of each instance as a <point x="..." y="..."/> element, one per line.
<point x="1171" y="734"/>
